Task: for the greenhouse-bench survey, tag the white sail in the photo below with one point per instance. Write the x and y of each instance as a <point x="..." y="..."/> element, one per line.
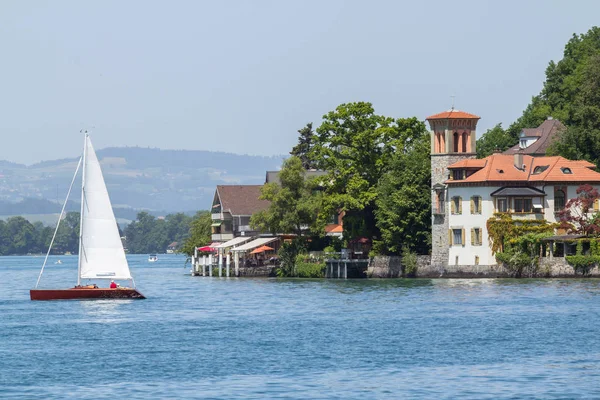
<point x="101" y="251"/>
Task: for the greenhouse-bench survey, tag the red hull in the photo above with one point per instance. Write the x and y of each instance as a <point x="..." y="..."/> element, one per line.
<point x="85" y="294"/>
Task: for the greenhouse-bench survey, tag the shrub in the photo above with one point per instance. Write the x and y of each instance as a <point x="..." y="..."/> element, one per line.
<point x="582" y="264"/>
<point x="516" y="262"/>
<point x="307" y="267"/>
<point x="409" y="262"/>
<point x="287" y="256"/>
<point x="330" y="252"/>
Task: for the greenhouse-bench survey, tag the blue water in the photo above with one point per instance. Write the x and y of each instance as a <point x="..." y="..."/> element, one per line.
<point x="233" y="338"/>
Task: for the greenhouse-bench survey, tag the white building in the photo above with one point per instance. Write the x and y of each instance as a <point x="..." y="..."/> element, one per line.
<point x="474" y="189"/>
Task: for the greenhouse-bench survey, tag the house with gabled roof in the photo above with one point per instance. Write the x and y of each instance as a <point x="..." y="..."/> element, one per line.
<point x="232" y="207"/>
<point x="535" y="141"/>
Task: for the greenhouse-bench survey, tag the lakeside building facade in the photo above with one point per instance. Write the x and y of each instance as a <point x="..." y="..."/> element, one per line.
<point x="466" y="192"/>
<point x="232" y="207"/>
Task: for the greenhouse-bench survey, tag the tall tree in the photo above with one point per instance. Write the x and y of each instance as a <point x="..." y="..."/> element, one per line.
<point x="582" y="137"/>
<point x="22" y="233"/>
<point x="354" y="145"/>
<point x="403" y="212"/>
<point x="492" y="140"/>
<point x="305" y="143"/>
<point x="199" y="232"/>
<point x="294" y="205"/>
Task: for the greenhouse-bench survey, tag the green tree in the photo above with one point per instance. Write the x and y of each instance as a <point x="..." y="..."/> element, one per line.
<point x="355" y="146"/>
<point x="23" y="235"/>
<point x="4" y="239"/>
<point x="582" y="137"/>
<point x="294" y="205"/>
<point x="304" y="146"/>
<point x="199" y="232"/>
<point x="138" y="232"/>
<point x="178" y="226"/>
<point x="495" y="139"/>
<point x="570" y="94"/>
<point x="403" y="211"/>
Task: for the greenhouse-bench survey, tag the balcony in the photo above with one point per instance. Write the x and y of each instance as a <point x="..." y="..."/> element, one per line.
<point x="220" y="237"/>
<point x="220" y="216"/>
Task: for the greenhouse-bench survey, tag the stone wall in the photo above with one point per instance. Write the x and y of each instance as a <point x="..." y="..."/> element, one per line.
<point x="384" y="267"/>
<point x="391" y="267"/>
<point x="557" y="267"/>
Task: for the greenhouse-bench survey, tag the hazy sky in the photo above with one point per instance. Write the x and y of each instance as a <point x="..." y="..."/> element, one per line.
<point x="244" y="76"/>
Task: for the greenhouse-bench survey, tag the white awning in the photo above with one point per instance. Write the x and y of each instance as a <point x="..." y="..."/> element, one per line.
<point x="255" y="243"/>
<point x="233" y="242"/>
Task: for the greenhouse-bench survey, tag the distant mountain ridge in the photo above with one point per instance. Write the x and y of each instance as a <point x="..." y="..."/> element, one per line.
<point x="137" y="178"/>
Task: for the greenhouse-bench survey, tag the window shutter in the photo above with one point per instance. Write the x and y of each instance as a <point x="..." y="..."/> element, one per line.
<point x="463" y="236"/>
<point x="472" y="236"/>
<point x="460" y="206"/>
<point x="450" y="236"/>
<point x="453" y="205"/>
<point x="472" y="205"/>
<point x="596" y="204"/>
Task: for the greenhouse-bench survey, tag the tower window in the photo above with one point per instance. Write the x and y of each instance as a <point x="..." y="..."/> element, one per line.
<point x="464" y="142"/>
<point x="455" y="142"/>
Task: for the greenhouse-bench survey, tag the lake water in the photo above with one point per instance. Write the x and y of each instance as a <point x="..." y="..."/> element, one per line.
<point x="219" y="338"/>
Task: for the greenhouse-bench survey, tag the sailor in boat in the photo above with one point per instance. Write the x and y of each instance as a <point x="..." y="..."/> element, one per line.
<point x="113" y="285"/>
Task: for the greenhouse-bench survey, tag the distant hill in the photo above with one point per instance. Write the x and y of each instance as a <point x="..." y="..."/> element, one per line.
<point x="162" y="181"/>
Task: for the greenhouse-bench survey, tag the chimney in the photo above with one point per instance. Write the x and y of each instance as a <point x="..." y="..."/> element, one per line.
<point x="519" y="159"/>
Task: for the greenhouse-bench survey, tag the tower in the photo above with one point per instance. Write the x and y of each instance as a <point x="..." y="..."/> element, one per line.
<point x="452" y="139"/>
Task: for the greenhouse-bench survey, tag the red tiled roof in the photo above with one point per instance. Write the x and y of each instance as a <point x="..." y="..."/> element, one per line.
<point x="334" y="228"/>
<point x="241" y="199"/>
<point x="453" y="114"/>
<point x="469" y="163"/>
<point x="501" y="168"/>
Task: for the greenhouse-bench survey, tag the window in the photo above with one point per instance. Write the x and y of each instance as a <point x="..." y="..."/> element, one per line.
<point x="476" y="237"/>
<point x="501" y="205"/>
<point x="457" y="237"/>
<point x="539" y="169"/>
<point x="440" y="203"/>
<point x="456" y="205"/>
<point x="559" y="200"/>
<point x="523" y="205"/>
<point x="566" y="170"/>
<point x="523" y="143"/>
<point x="455" y="142"/>
<point x="476" y="260"/>
<point x="464" y="142"/>
<point x="476" y="205"/>
<point x="457" y="174"/>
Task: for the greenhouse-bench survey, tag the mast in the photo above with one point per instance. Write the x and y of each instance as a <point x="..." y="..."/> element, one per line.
<point x="81" y="213"/>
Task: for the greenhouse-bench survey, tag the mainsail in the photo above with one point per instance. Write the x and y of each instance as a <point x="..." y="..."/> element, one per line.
<point x="101" y="254"/>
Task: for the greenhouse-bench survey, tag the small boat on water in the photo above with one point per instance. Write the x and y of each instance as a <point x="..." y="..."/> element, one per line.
<point x="152" y="258"/>
<point x="101" y="254"/>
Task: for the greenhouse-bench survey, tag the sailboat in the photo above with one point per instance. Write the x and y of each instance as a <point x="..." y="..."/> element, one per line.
<point x="101" y="253"/>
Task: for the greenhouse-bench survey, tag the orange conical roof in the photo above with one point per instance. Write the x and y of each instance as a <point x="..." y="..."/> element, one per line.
<point x="453" y="114"/>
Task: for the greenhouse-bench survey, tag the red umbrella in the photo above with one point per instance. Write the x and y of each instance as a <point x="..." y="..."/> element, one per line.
<point x="206" y="249"/>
